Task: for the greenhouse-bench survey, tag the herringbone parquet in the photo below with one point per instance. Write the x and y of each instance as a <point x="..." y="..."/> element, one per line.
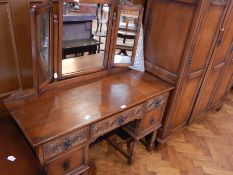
<point x="204" y="148"/>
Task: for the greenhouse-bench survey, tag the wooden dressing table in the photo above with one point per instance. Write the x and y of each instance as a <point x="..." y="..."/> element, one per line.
<point x="60" y="117"/>
<point x="60" y="124"/>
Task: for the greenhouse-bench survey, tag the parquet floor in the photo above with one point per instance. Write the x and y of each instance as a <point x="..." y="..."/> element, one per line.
<point x="205" y="148"/>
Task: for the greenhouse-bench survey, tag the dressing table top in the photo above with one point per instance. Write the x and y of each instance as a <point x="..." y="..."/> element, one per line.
<point x="60" y="111"/>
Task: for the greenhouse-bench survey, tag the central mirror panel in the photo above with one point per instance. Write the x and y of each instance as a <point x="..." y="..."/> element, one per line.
<point x="85" y="31"/>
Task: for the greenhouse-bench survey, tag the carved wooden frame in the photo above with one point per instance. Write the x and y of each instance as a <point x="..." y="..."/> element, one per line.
<point x="43" y="8"/>
<point x="219" y="2"/>
<point x="125" y="5"/>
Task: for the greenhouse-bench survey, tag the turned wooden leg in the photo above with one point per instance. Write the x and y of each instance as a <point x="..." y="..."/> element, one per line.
<point x="151" y="144"/>
<point x="131" y="150"/>
<point x="158" y="145"/>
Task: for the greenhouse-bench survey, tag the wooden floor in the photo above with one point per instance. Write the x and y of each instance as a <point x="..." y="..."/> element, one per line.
<point x="205" y="148"/>
<point x="13" y="144"/>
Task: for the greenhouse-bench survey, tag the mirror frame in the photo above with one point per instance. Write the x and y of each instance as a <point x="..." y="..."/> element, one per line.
<point x="126" y="5"/>
<point x="58" y="66"/>
<point x="36" y="12"/>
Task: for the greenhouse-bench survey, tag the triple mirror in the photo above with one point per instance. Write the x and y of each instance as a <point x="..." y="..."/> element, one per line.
<point x="77" y="37"/>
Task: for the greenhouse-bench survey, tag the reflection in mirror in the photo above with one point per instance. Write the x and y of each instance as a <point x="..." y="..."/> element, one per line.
<point x="125" y="44"/>
<point x="85" y="27"/>
<point x="44" y="70"/>
<point x="44" y="40"/>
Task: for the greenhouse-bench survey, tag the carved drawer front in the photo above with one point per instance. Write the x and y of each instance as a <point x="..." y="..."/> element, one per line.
<point x="156" y="102"/>
<point x="66" y="142"/>
<point x="116" y="121"/>
<point x="152" y="118"/>
<point x="72" y="162"/>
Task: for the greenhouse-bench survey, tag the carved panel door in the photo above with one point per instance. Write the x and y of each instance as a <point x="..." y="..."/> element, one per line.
<point x="217" y="79"/>
<point x="198" y="60"/>
<point x="170" y="27"/>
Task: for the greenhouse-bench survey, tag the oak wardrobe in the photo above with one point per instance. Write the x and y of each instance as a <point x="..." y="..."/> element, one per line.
<point x="188" y="43"/>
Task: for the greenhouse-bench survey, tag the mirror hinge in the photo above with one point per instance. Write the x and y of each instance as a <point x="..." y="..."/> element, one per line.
<point x="190" y="60"/>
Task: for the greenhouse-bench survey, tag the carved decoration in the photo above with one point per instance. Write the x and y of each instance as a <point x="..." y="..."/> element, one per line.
<point x="66" y="142"/>
<point x="116" y="121"/>
<point x="219" y="2"/>
<point x="45" y="5"/>
<point x="126" y="3"/>
<point x="156" y="103"/>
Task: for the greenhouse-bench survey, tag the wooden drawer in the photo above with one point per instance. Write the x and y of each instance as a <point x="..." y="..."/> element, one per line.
<point x="154" y="109"/>
<point x="154" y="113"/>
<point x="152" y="118"/>
<point x="116" y="121"/>
<point x="70" y="163"/>
<point x="65" y="143"/>
<point x="156" y="102"/>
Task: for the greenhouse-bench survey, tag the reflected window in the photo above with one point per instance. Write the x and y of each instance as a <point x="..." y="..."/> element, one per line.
<point x="85" y="28"/>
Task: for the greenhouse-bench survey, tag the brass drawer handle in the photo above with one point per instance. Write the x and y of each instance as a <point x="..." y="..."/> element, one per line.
<point x="94" y="128"/>
<point x="67" y="143"/>
<point x="66" y="166"/>
<point x="157" y="103"/>
<point x="152" y="120"/>
<point x="121" y="120"/>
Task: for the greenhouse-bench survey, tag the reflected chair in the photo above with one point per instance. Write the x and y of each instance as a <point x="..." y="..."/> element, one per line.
<point x="126" y="31"/>
<point x="102" y="13"/>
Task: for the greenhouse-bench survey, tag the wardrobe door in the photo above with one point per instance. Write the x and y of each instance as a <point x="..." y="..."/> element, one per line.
<point x="169" y="25"/>
<point x="214" y="76"/>
<point x="223" y="85"/>
<point x="198" y="60"/>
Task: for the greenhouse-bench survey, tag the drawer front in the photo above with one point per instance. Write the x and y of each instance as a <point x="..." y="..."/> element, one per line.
<point x="71" y="162"/>
<point x="152" y="118"/>
<point x="66" y="142"/>
<point x="154" y="112"/>
<point x="156" y="102"/>
<point x="116" y="121"/>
